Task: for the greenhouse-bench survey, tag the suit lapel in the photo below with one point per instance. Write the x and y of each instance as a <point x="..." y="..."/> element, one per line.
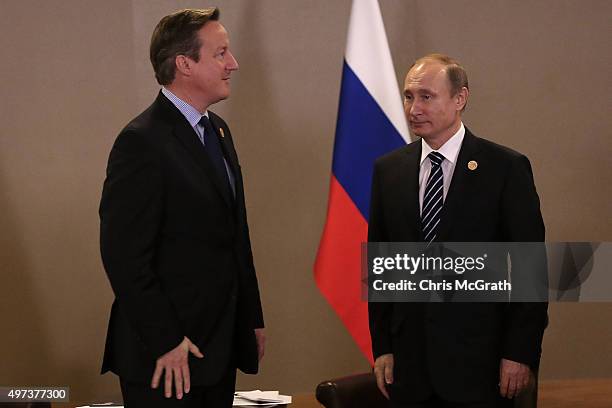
<point x="229" y="152"/>
<point x="409" y="192"/>
<point x="452" y="204"/>
<point x="183" y="131"/>
<point x="226" y="145"/>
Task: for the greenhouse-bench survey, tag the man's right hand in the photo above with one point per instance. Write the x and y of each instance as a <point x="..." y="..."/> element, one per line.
<point x="175" y="364"/>
<point x="383" y="369"/>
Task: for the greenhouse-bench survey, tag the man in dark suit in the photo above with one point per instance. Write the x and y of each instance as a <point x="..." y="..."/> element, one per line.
<point x="174" y="235"/>
<point x="451" y="186"/>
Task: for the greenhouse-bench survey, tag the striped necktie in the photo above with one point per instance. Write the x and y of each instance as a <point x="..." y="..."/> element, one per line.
<point x="433" y="200"/>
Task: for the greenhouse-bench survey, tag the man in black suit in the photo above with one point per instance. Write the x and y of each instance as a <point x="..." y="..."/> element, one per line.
<point x="174" y="235"/>
<point x="451" y="354"/>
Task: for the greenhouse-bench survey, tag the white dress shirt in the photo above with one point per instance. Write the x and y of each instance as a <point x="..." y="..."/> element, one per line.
<point x="450" y="151"/>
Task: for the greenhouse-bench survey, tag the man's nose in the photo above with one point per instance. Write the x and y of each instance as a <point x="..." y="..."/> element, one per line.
<point x="413" y="108"/>
<point x="233" y="64"/>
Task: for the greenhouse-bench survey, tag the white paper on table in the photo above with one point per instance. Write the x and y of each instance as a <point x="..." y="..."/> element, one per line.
<point x="104" y="404"/>
<point x="241" y="402"/>
<point x="257" y="397"/>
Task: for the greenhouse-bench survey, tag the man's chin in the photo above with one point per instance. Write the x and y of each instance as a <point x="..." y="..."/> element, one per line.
<point x="226" y="94"/>
<point x="418" y="132"/>
<point x="418" y="129"/>
<point x="222" y="97"/>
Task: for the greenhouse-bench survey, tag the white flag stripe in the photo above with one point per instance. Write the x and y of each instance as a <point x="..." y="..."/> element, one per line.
<point x="368" y="55"/>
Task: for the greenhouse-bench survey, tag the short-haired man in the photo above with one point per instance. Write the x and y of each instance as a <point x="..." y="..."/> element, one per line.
<point x="451" y="186"/>
<point x="174" y="235"/>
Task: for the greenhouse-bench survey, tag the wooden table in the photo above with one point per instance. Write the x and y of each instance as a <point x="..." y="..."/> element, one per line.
<point x="304" y="401"/>
<point x="307" y="400"/>
<point x="583" y="393"/>
<point x="587" y="393"/>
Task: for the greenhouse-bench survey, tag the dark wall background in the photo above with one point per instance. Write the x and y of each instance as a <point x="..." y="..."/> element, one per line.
<point x="74" y="72"/>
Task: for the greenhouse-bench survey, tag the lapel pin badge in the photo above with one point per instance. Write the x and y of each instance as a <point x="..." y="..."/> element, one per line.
<point x="472" y="165"/>
<point x="221" y="131"/>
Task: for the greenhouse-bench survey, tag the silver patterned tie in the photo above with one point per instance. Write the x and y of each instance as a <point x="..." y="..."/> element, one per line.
<point x="433" y="200"/>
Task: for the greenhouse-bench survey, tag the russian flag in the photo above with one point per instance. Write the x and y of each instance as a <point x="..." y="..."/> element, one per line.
<point x="371" y="122"/>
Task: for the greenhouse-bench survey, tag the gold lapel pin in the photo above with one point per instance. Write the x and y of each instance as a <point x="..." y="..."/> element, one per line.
<point x="221" y="131"/>
<point x="472" y="165"/>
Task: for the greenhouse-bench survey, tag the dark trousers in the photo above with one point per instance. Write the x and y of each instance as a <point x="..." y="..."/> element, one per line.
<point x="436" y="402"/>
<point x="220" y="395"/>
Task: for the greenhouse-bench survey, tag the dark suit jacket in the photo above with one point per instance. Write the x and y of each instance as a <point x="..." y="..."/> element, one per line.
<point x="176" y="249"/>
<point x="453" y="348"/>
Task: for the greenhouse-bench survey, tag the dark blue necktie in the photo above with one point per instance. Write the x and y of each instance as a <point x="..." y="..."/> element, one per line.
<point x="433" y="200"/>
<point x="213" y="148"/>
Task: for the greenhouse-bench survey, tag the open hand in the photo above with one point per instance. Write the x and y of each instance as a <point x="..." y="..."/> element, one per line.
<point x="175" y="365"/>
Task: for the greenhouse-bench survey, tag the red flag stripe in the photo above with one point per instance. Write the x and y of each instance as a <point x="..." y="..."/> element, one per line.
<point x="339" y="277"/>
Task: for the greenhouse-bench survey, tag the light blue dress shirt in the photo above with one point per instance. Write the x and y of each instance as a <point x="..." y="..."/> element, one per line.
<point x="193" y="116"/>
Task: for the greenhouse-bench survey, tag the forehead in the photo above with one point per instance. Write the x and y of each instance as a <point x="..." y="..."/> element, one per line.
<point x="214" y="34"/>
<point x="431" y="75"/>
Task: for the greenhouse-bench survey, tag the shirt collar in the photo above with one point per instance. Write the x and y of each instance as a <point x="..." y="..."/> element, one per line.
<point x="192" y="115"/>
<point x="450" y="149"/>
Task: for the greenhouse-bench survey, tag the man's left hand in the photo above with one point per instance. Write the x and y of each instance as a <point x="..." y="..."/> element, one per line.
<point x="261" y="342"/>
<point x="513" y="378"/>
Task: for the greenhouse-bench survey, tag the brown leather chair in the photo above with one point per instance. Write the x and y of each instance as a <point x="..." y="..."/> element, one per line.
<point x="360" y="391"/>
<point x="354" y="391"/>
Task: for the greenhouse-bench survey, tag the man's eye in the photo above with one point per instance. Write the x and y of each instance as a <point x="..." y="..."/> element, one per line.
<point x="408" y="97"/>
<point x="427" y="97"/>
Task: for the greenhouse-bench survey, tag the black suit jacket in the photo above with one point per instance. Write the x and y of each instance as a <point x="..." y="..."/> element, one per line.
<point x="176" y="249"/>
<point x="450" y="348"/>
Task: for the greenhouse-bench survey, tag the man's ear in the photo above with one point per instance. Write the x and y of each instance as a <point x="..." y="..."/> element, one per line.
<point x="462" y="97"/>
<point x="183" y="65"/>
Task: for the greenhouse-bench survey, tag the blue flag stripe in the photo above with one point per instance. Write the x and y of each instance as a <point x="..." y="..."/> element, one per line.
<point x="363" y="133"/>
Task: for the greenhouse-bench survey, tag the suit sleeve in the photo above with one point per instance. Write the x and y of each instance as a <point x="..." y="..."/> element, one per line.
<point x="130" y="219"/>
<point x="379" y="313"/>
<point x="522" y="222"/>
<point x="250" y="285"/>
